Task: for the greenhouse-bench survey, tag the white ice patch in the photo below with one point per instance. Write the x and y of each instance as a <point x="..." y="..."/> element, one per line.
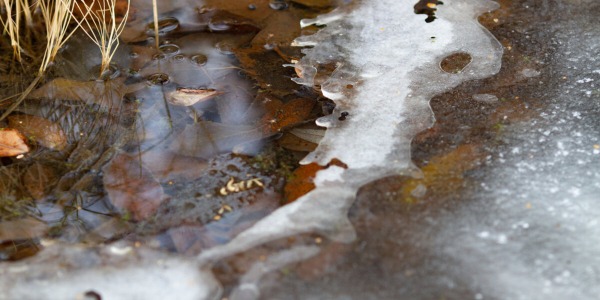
<point x="388" y="69"/>
<point x="73" y="272"/>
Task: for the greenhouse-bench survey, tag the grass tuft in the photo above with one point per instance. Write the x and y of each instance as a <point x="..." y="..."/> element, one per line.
<point x="103" y="27"/>
<point x="57" y="17"/>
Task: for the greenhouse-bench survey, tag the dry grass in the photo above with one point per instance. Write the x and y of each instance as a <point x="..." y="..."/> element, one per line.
<point x="155" y="15"/>
<point x="11" y="25"/>
<point x="103" y="27"/>
<point x="57" y="18"/>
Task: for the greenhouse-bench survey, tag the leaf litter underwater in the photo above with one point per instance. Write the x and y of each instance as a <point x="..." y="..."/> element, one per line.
<point x="173" y="175"/>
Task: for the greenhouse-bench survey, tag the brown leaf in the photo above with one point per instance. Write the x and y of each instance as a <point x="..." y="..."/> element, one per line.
<point x="240" y="7"/>
<point x="226" y="22"/>
<point x="189" y="97"/>
<point x="38" y="178"/>
<point x="107" y="94"/>
<point x="279" y="115"/>
<point x="265" y="67"/>
<point x="22" y="229"/>
<point x="315" y="3"/>
<point x="43" y="131"/>
<point x="12" y="143"/>
<point x="292" y="142"/>
<point x="281" y="30"/>
<point x="132" y="187"/>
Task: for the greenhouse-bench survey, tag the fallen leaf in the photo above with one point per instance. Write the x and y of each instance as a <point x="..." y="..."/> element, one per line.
<point x="12" y="143"/>
<point x="279" y="115"/>
<point x="43" y="131"/>
<point x="22" y="229"/>
<point x="301" y="182"/>
<point x="189" y="97"/>
<point x="281" y="30"/>
<point x="311" y="134"/>
<point x="225" y="22"/>
<point x="166" y="166"/>
<point x="240" y="7"/>
<point x="265" y="66"/>
<point x="107" y="94"/>
<point x="38" y="179"/>
<point x="292" y="142"/>
<point x="206" y="139"/>
<point x="132" y="187"/>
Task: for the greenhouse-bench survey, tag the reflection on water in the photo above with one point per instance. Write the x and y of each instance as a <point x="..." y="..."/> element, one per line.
<point x="150" y="151"/>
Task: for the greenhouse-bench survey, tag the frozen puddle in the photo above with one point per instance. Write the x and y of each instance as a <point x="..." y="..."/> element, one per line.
<point x="387" y="71"/>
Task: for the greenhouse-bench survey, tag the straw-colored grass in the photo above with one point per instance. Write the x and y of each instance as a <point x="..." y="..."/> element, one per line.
<point x="155" y="15"/>
<point x="10" y="24"/>
<point x="57" y="17"/>
<point x="102" y="26"/>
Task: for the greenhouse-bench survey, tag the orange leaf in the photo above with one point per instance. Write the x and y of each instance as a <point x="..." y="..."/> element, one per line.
<point x="279" y="115"/>
<point x="12" y="143"/>
<point x="301" y="182"/>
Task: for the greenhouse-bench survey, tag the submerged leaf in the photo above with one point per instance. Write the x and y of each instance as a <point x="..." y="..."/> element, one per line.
<point x="279" y="115"/>
<point x="132" y="187"/>
<point x="189" y="97"/>
<point x="22" y="229"/>
<point x="166" y="165"/>
<point x="315" y="3"/>
<point x="206" y="139"/>
<point x="107" y="94"/>
<point x="38" y="178"/>
<point x="40" y="130"/>
<point x="292" y="142"/>
<point x="12" y="143"/>
<point x="313" y="135"/>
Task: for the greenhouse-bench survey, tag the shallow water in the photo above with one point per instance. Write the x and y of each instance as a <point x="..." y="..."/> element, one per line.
<point x="503" y="205"/>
